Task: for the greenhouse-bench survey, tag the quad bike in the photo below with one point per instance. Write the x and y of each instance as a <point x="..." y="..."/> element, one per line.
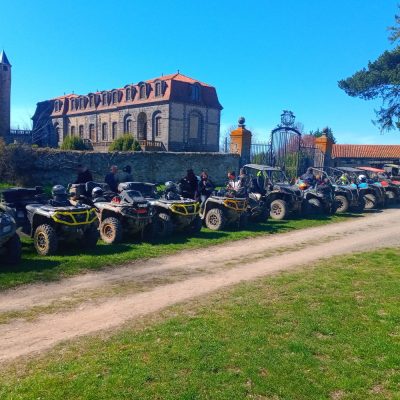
<point x="10" y="245"/>
<point x="223" y="209"/>
<point x="127" y="213"/>
<point x="347" y="197"/>
<point x="172" y="212"/>
<point x="380" y="178"/>
<point x="50" y="221"/>
<point x="373" y="194"/>
<point x="271" y="186"/>
<point x="319" y="198"/>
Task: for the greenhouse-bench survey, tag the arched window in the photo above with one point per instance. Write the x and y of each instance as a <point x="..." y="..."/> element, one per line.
<point x="128" y="124"/>
<point x="158" y="91"/>
<point x="81" y="131"/>
<point x="195" y="127"/>
<point x="72" y="130"/>
<point x="57" y="106"/>
<point x="114" y="130"/>
<point x="142" y="91"/>
<point x="57" y="131"/>
<point x="104" y="132"/>
<point x="128" y="94"/>
<point x="92" y="136"/>
<point x="156" y="124"/>
<point x="142" y="126"/>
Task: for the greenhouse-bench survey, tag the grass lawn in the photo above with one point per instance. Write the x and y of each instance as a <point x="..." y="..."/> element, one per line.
<point x="72" y="261"/>
<point x="329" y="332"/>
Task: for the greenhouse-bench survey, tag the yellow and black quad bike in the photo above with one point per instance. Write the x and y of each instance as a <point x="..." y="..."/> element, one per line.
<point x="50" y="221"/>
<point x="222" y="210"/>
<point x="127" y="213"/>
<point x="172" y="212"/>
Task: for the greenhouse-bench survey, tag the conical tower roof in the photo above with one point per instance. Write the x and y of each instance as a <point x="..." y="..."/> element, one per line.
<point x="4" y="59"/>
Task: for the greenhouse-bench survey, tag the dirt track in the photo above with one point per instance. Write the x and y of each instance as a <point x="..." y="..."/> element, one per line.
<point x="103" y="300"/>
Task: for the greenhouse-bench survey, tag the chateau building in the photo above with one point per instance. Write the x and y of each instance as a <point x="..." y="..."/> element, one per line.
<point x="173" y="113"/>
<point x="5" y="95"/>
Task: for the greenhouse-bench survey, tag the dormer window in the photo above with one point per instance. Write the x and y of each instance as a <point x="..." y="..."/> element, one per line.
<point x="57" y="106"/>
<point x="158" y="89"/>
<point x="142" y="91"/>
<point x="73" y="104"/>
<point x="81" y="103"/>
<point x="115" y="97"/>
<point x="105" y="99"/>
<point x="195" y="95"/>
<point x="91" y="101"/>
<point x="128" y="94"/>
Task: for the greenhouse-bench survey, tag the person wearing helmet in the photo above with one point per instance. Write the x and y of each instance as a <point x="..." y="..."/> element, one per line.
<point x="127" y="177"/>
<point x="188" y="185"/>
<point x="362" y="182"/>
<point x="309" y="177"/>
<point x="98" y="194"/>
<point x="171" y="191"/>
<point x="59" y="197"/>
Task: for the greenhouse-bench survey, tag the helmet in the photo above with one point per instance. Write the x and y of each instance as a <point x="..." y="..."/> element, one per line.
<point x="97" y="192"/>
<point x="58" y="190"/>
<point x="362" y="178"/>
<point x="303" y="186"/>
<point x="169" y="185"/>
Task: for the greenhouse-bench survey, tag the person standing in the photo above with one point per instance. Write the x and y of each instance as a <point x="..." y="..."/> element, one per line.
<point x="111" y="179"/>
<point x="127" y="174"/>
<point x="188" y="185"/>
<point x="205" y="188"/>
<point x="84" y="175"/>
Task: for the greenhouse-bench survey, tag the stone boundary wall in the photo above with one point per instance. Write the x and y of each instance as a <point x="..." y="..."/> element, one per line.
<point x="52" y="166"/>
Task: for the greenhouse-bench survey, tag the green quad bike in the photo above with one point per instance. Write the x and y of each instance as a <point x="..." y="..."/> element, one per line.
<point x="270" y="186"/>
<point x="127" y="213"/>
<point x="374" y="194"/>
<point x="223" y="209"/>
<point x="50" y="221"/>
<point x="10" y="245"/>
<point x="319" y="199"/>
<point x="172" y="212"/>
<point x="347" y="197"/>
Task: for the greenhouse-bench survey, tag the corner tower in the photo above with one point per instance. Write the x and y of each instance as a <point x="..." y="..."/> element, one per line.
<point x="5" y="95"/>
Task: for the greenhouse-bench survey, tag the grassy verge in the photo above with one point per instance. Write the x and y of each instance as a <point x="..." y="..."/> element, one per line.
<point x="331" y="332"/>
<point x="72" y="261"/>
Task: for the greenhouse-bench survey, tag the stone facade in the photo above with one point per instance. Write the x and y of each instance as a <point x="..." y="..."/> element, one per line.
<point x="181" y="113"/>
<point x="5" y="96"/>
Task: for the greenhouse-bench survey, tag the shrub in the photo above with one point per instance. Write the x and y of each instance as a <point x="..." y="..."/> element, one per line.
<point x="73" y="143"/>
<point x="125" y="143"/>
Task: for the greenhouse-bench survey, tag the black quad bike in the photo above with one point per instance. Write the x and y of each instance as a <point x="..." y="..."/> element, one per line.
<point x="347" y="197"/>
<point x="270" y="186"/>
<point x="172" y="212"/>
<point x="374" y="194"/>
<point x="319" y="198"/>
<point x="127" y="213"/>
<point x="223" y="209"/>
<point x="10" y="245"/>
<point x="50" y="221"/>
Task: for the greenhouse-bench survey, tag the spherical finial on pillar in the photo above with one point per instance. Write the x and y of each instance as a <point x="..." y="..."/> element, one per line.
<point x="241" y="122"/>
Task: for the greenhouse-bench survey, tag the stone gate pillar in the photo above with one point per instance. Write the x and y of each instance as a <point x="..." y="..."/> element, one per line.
<point x="325" y="143"/>
<point x="241" y="142"/>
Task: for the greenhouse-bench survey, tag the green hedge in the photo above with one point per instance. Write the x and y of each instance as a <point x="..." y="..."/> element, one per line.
<point x="73" y="143"/>
<point x="125" y="143"/>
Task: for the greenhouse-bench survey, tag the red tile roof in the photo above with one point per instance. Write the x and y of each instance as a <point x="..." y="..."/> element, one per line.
<point x="380" y="151"/>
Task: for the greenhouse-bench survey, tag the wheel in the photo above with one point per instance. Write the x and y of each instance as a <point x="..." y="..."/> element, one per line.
<point x="13" y="250"/>
<point x="262" y="217"/>
<point x="45" y="240"/>
<point x="243" y="220"/>
<point x="164" y="226"/>
<point x="279" y="209"/>
<point x="91" y="237"/>
<point x="196" y="225"/>
<point x="215" y="219"/>
<point x="314" y="206"/>
<point x="111" y="230"/>
<point x="342" y="204"/>
<point x="390" y="197"/>
<point x="370" y="201"/>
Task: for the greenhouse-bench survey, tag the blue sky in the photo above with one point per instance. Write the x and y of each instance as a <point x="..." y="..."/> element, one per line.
<point x="262" y="56"/>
